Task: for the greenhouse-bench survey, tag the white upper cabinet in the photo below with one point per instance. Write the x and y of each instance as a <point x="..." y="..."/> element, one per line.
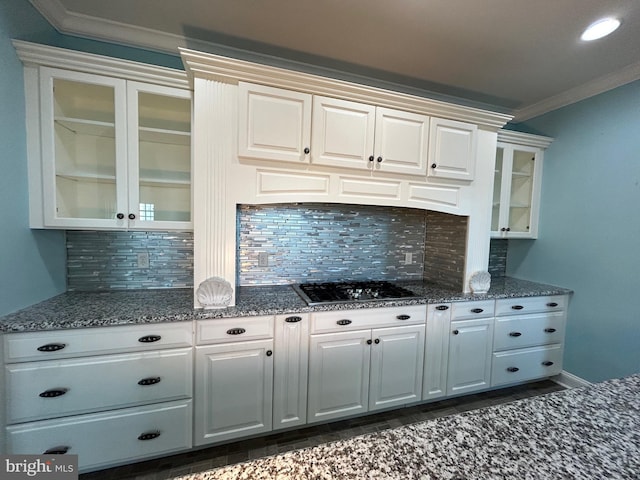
<point x="452" y="149"/>
<point x="274" y="124"/>
<point x="115" y="154"/>
<point x="517" y="184"/>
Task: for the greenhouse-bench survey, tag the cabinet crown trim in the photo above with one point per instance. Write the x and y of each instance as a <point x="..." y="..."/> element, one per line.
<point x="229" y="70"/>
<point x="45" y="55"/>
<point x="518" y="138"/>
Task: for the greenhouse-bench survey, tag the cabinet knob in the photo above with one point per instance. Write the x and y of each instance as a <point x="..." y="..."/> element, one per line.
<point x="508" y="229"/>
<point x="456" y="332"/>
<point x="433" y="165"/>
<point x="132" y="216"/>
<point x="59" y="450"/>
<point x="549" y="330"/>
<point x="269" y="353"/>
<point x="54" y="392"/>
<point x="379" y="159"/>
<point x="306" y="150"/>
<point x="515" y="334"/>
<point x="371" y="159"/>
<point x="376" y="341"/>
<point x="51" y="347"/>
<point x="503" y="229"/>
<point x="120" y="216"/>
<point x="369" y="342"/>
<point x="547" y="363"/>
<point x="149" y="435"/>
<point x="512" y="369"/>
<point x="149" y="381"/>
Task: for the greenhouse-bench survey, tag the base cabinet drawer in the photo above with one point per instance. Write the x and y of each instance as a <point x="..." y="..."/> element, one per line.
<point x="108" y="438"/>
<point x="55" y="388"/>
<point x="526" y="364"/>
<point x="528" y="330"/>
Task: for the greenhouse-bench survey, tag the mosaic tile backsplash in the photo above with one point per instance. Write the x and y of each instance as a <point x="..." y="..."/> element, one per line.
<point x="325" y="242"/>
<point x="109" y="260"/>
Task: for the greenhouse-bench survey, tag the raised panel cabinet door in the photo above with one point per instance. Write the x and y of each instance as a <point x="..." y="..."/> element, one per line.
<point x="84" y="154"/>
<point x="159" y="157"/>
<point x="397" y="358"/>
<point x="343" y="133"/>
<point x="338" y="374"/>
<point x="452" y="149"/>
<point x="290" y="370"/>
<point x="273" y="123"/>
<point x="470" y="350"/>
<point x="436" y="351"/>
<point x="401" y="142"/>
<point x="233" y="390"/>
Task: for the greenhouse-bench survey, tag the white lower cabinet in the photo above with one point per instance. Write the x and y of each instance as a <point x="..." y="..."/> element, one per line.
<point x="354" y="369"/>
<point x="436" y="352"/>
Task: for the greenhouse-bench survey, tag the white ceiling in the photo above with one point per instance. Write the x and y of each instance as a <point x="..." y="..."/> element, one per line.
<point x="522" y="57"/>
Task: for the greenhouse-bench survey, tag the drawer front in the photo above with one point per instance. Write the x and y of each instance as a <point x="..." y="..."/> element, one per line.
<point x="39" y="390"/>
<point x="528" y="331"/>
<point x="526" y="364"/>
<point x="28" y="346"/>
<point x="108" y="438"/>
<point x="469" y="310"/>
<point x="345" y="320"/>
<point x="225" y="330"/>
<point x="518" y="306"/>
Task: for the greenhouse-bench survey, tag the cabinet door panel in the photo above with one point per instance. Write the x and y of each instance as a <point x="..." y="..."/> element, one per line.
<point x="397" y="358"/>
<point x="338" y="375"/>
<point x="469" y="356"/>
<point x="452" y="149"/>
<point x="274" y="124"/>
<point x="401" y="141"/>
<point x="343" y="133"/>
<point x="234" y="386"/>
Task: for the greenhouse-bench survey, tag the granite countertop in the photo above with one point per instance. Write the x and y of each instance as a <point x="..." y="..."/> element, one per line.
<point x="129" y="307"/>
<point x="588" y="433"/>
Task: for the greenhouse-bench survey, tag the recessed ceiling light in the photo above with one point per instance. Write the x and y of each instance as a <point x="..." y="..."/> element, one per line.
<point x="600" y="28"/>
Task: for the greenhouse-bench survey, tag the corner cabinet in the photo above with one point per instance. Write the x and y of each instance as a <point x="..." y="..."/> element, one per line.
<point x="107" y="151"/>
<point x="517" y="184"/>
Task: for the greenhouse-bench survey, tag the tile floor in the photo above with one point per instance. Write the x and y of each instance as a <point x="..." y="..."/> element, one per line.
<point x="206" y="459"/>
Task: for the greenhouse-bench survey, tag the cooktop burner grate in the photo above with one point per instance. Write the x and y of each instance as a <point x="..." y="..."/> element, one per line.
<point x="340" y="292"/>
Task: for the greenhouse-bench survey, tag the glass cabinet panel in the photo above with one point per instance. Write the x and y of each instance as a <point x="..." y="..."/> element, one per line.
<point x="521" y="191"/>
<point x="497" y="190"/>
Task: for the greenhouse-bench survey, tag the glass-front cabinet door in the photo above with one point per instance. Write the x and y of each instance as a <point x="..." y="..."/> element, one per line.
<point x="516" y="191"/>
<point x="159" y="156"/>
<point x="84" y="149"/>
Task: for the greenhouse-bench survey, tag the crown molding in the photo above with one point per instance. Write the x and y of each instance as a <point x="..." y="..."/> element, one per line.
<point x="230" y="70"/>
<point x="36" y="54"/>
<point x="519" y="138"/>
<point x="602" y="84"/>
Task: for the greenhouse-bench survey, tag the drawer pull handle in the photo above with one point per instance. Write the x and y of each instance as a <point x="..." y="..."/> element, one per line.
<point x="515" y="334"/>
<point x="149" y="381"/>
<point x="52" y="347"/>
<point x="549" y="330"/>
<point x="293" y="319"/>
<point x="547" y="363"/>
<point x="552" y="304"/>
<point x="344" y="321"/>
<point x="149" y="435"/>
<point x="149" y="338"/>
<point x="60" y="450"/>
<point x="442" y="307"/>
<point x="269" y="353"/>
<point x="477" y="310"/>
<point x="54" y="392"/>
<point x="236" y="331"/>
<point x="517" y="307"/>
<point x="512" y="369"/>
<point x="403" y="317"/>
<point x="456" y="332"/>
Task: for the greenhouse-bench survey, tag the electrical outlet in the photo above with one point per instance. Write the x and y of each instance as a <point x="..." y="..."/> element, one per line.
<point x="143" y="260"/>
<point x="408" y="258"/>
<point x="263" y="259"/>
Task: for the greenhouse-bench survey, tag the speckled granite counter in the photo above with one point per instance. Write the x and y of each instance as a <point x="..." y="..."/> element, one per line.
<point x="590" y="433"/>
<point x="125" y="307"/>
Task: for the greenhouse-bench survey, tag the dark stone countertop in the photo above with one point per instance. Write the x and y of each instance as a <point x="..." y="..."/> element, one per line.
<point x="130" y="307"/>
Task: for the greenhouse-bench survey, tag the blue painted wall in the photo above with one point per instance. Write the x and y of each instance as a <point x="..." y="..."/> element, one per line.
<point x="32" y="262"/>
<point x="590" y="229"/>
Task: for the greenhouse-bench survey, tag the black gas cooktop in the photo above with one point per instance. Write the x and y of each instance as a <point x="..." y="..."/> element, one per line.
<point x="341" y="292"/>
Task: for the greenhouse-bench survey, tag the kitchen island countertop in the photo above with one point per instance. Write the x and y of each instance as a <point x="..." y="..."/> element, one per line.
<point x="131" y="307"/>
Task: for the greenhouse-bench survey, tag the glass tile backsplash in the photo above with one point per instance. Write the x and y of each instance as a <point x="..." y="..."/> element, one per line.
<point x="290" y="243"/>
<point x="129" y="260"/>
